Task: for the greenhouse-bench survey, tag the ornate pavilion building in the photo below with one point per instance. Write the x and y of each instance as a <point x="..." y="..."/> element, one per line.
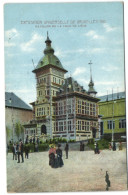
<point x="62" y="108"/>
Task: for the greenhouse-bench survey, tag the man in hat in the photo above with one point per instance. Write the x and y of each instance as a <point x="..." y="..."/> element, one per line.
<point x="66" y="150"/>
<point x="22" y="150"/>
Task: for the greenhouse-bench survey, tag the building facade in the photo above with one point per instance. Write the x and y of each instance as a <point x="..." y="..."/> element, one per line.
<point x="112" y="109"/>
<point x="62" y="108"/>
<point x="16" y="110"/>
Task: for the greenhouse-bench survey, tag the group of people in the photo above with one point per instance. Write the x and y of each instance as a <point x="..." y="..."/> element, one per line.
<point x="55" y="155"/>
<point x="34" y="140"/>
<point x="18" y="150"/>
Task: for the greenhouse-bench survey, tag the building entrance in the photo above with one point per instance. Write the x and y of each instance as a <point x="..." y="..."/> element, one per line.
<point x="43" y="129"/>
<point x="94" y="132"/>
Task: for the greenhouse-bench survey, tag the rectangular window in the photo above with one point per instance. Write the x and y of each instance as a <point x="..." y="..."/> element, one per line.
<point x="111" y="124"/>
<point x="54" y="126"/>
<point x="79" y="125"/>
<point x="47" y="92"/>
<point x="60" y="126"/>
<point x="122" y="123"/>
<point x="69" y="125"/>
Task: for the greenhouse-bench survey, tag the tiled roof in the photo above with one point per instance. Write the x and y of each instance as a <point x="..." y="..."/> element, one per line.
<point x="70" y="85"/>
<point x="116" y="96"/>
<point x="11" y="100"/>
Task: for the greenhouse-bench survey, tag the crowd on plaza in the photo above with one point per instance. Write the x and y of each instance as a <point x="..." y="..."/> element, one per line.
<point x="55" y="154"/>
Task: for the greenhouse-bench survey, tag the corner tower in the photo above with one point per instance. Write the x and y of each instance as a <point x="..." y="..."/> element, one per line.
<point x="49" y="74"/>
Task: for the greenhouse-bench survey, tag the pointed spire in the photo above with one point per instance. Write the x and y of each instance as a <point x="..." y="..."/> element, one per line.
<point x="91" y="90"/>
<point x="47" y="36"/>
<point x="48" y="41"/>
<point x="90" y="63"/>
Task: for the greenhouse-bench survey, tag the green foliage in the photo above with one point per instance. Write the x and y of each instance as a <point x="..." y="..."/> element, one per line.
<point x="56" y="140"/>
<point x="102" y="144"/>
<point x="91" y="141"/>
<point x="8" y="132"/>
<point x="72" y="140"/>
<point x="43" y="147"/>
<point x="18" y="129"/>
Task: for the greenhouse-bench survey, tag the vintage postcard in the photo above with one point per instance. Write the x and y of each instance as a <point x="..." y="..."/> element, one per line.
<point x="65" y="102"/>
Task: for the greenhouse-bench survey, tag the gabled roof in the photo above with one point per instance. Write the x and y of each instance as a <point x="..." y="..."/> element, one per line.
<point x="109" y="97"/>
<point x="70" y="85"/>
<point x="13" y="101"/>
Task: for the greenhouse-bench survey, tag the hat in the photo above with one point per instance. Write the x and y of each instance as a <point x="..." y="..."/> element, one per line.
<point x="52" y="146"/>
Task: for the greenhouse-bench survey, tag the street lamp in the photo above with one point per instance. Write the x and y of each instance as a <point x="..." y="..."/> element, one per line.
<point x="113" y="121"/>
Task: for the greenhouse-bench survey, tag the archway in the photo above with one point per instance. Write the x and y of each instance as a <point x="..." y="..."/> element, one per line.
<point x="43" y="129"/>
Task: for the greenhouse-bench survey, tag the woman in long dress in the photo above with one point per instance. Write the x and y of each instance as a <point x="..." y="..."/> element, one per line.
<point x="59" y="156"/>
<point x="52" y="152"/>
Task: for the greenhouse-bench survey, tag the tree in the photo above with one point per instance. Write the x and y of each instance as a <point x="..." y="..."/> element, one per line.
<point x="19" y="130"/>
<point x="8" y="132"/>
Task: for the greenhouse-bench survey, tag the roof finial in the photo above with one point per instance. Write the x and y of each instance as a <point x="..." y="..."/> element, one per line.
<point x="47" y="36"/>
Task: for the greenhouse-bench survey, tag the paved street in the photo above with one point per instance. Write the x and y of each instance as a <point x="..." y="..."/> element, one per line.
<point x="83" y="171"/>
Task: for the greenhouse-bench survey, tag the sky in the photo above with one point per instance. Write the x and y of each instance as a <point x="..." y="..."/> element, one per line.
<point x="94" y="32"/>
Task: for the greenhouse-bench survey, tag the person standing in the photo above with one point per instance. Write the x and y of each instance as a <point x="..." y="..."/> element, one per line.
<point x="59" y="157"/>
<point x="26" y="149"/>
<point x="19" y="151"/>
<point x="95" y="147"/>
<point x="82" y="146"/>
<point x="22" y="150"/>
<point x="66" y="150"/>
<point x="114" y="146"/>
<point x="107" y="181"/>
<point x="52" y="152"/>
<point x="14" y="152"/>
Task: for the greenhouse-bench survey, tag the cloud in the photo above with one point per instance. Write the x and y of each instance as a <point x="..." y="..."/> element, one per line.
<point x="92" y="34"/>
<point x="106" y="83"/>
<point x="108" y="28"/>
<point x="9" y="44"/>
<point x="109" y="68"/>
<point x="78" y="71"/>
<point x="9" y="34"/>
<point x="29" y="46"/>
<point x="59" y="53"/>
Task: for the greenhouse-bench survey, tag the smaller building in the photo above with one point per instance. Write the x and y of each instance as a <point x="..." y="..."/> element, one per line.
<point x="16" y="110"/>
<point x="112" y="112"/>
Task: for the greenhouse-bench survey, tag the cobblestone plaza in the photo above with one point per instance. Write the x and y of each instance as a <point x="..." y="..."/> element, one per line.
<point x="83" y="171"/>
